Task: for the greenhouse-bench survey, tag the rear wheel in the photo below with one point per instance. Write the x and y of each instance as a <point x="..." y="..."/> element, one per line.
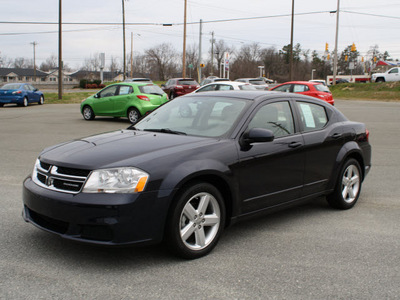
<point x="25" y="102"/>
<point x="88" y="113"/>
<point x="348" y="187"/>
<point x="171" y="96"/>
<point x="196" y="221"/>
<point x="133" y="115"/>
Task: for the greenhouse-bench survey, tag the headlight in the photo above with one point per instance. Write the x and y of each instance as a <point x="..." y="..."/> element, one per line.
<point x="118" y="180"/>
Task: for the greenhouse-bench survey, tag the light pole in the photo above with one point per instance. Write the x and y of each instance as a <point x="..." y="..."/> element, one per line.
<point x="312" y="73"/>
<point x="34" y="59"/>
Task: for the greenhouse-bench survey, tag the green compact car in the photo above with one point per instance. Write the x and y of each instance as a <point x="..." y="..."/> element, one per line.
<point x="125" y="99"/>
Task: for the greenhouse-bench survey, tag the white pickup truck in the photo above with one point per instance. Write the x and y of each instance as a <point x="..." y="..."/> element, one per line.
<point x="391" y="75"/>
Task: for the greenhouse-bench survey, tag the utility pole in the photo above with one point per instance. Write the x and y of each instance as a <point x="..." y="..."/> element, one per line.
<point x="60" y="64"/>
<point x="291" y="46"/>
<point x="335" y="58"/>
<point x="123" y="34"/>
<point x="212" y="53"/>
<point x="200" y="63"/>
<point x="184" y="42"/>
<point x="131" y="54"/>
<point x="34" y="59"/>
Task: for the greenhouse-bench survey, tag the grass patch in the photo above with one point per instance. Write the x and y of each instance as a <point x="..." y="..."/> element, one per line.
<point x="383" y="91"/>
<point x="74" y="97"/>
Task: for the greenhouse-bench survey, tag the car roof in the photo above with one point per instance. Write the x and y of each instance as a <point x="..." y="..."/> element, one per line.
<point x="302" y="82"/>
<point x="233" y="83"/>
<point x="259" y="95"/>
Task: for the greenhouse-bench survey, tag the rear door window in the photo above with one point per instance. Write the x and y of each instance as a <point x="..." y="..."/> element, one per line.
<point x="312" y="116"/>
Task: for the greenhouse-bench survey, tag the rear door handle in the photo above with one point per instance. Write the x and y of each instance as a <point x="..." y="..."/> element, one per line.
<point x="295" y="144"/>
<point x="336" y="135"/>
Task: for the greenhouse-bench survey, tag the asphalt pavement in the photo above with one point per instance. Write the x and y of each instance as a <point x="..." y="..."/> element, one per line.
<point x="307" y="252"/>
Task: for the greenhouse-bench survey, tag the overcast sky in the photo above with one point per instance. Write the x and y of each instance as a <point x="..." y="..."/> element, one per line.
<point x="364" y="22"/>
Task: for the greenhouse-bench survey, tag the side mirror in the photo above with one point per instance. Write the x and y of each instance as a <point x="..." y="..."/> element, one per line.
<point x="96" y="96"/>
<point x="163" y="85"/>
<point x="256" y="135"/>
<point x="35" y="90"/>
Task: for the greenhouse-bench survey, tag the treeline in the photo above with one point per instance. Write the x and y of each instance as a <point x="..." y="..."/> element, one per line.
<point x="164" y="61"/>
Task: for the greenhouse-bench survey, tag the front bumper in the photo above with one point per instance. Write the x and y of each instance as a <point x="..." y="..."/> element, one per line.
<point x="109" y="219"/>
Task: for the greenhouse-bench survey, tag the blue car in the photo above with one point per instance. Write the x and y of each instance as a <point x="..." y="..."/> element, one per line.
<point x="20" y="93"/>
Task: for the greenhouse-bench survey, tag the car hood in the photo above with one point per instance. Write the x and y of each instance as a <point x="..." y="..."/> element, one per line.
<point x="120" y="148"/>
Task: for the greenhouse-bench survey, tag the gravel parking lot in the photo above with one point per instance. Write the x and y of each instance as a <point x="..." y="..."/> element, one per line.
<point x="307" y="252"/>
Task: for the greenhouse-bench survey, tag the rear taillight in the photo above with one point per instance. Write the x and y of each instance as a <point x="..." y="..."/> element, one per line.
<point x="367" y="134"/>
<point x="17" y="92"/>
<point x="142" y="97"/>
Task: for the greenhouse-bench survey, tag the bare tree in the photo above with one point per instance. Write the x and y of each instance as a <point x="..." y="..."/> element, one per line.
<point x="50" y="63"/>
<point x="163" y="59"/>
<point x="247" y="61"/>
<point x="23" y="63"/>
<point x="219" y="49"/>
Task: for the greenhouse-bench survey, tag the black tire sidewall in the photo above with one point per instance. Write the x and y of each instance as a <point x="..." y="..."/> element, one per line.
<point x="172" y="235"/>
<point x="336" y="198"/>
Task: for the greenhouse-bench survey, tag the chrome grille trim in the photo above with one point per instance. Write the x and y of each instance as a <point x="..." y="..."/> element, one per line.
<point x="52" y="179"/>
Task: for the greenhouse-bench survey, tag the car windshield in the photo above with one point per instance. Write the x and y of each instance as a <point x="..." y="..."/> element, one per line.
<point x="187" y="82"/>
<point x="11" y="86"/>
<point x="247" y="87"/>
<point x="206" y="116"/>
<point x="257" y="81"/>
<point x="322" y="88"/>
<point x="151" y="89"/>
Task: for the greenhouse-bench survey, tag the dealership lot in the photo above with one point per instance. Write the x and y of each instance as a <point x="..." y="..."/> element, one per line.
<point x="308" y="252"/>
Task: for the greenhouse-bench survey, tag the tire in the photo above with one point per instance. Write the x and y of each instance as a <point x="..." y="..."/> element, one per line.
<point x="380" y="79"/>
<point x="25" y="102"/>
<point x="133" y="115"/>
<point x="88" y="113"/>
<point x="41" y="100"/>
<point x="171" y="96"/>
<point x="196" y="221"/>
<point x="348" y="186"/>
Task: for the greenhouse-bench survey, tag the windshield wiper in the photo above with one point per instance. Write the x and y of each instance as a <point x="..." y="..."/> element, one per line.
<point x="166" y="130"/>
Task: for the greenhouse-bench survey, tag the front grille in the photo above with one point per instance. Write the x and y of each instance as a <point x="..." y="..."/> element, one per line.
<point x="68" y="180"/>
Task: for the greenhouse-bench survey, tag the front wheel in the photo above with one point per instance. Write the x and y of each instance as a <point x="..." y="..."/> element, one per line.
<point x="348" y="187"/>
<point x="41" y="100"/>
<point x="133" y="115"/>
<point x="196" y="221"/>
<point x="88" y="113"/>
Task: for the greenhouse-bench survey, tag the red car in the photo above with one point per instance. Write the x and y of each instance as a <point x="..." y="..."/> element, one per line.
<point x="179" y="86"/>
<point x="313" y="89"/>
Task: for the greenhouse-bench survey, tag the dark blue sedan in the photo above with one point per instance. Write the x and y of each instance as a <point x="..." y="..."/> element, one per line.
<point x="20" y="93"/>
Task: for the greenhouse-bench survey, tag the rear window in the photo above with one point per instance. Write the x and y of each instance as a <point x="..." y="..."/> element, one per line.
<point x="257" y="82"/>
<point x="187" y="82"/>
<point x="322" y="88"/>
<point x="11" y="86"/>
<point x="247" y="87"/>
<point x="151" y="89"/>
